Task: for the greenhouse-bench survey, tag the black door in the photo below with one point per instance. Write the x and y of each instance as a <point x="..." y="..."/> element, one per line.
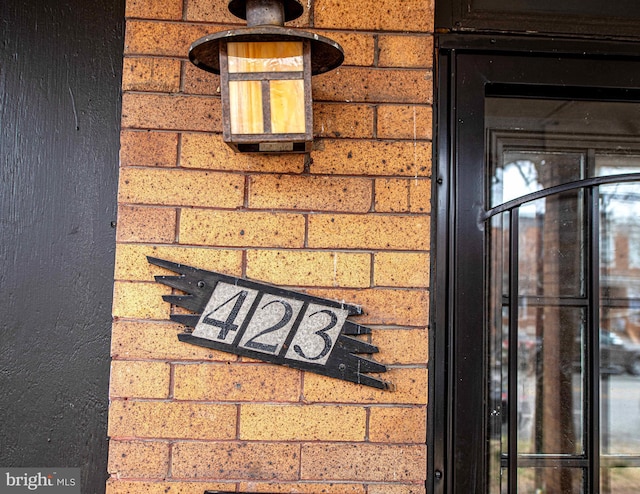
<point x="538" y="297"/>
<point x="60" y="71"/>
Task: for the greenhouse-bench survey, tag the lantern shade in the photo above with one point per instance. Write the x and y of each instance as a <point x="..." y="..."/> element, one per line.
<point x="265" y="76"/>
<point x="326" y="54"/>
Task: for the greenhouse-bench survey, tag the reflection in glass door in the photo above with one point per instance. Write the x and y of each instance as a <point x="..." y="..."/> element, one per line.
<point x="563" y="315"/>
<point x="619" y="335"/>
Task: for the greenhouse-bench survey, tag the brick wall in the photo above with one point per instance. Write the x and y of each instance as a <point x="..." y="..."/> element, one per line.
<point x="350" y="221"/>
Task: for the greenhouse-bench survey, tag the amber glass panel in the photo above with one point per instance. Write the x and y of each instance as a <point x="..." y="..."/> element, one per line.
<point x="245" y="101"/>
<point x="287" y="106"/>
<point x="265" y="56"/>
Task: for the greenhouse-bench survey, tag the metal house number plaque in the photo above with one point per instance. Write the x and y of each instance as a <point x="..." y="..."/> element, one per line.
<point x="271" y="324"/>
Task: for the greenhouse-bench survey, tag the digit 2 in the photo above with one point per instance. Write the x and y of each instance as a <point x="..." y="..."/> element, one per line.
<point x="286" y="317"/>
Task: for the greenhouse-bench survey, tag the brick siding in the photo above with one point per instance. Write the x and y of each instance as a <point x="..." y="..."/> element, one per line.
<point x="351" y="221"/>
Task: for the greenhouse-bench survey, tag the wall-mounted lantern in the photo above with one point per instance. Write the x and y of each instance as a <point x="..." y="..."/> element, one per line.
<point x="265" y="76"/>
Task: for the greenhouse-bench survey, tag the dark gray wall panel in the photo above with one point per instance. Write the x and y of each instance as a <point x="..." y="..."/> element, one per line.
<point x="60" y="72"/>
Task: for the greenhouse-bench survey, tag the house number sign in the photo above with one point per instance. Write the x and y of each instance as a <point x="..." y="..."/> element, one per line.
<point x="271" y="324"/>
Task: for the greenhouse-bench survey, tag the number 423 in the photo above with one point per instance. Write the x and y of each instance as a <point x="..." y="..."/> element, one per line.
<point x="273" y="324"/>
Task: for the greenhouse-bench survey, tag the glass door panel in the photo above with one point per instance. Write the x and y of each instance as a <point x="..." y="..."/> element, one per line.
<point x="551" y="323"/>
<point x="563" y="370"/>
<point x="619" y="321"/>
<point x="551" y="480"/>
<point x="536" y="287"/>
<point x="498" y="352"/>
<point x="619" y="480"/>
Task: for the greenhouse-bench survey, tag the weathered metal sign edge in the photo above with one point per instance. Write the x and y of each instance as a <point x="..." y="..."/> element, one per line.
<point x="342" y="362"/>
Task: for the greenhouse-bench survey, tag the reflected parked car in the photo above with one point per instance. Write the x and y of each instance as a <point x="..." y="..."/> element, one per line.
<point x="618" y="354"/>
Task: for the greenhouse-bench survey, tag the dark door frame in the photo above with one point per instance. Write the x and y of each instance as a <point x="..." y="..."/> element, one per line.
<point x="466" y="65"/>
<point x="587" y="18"/>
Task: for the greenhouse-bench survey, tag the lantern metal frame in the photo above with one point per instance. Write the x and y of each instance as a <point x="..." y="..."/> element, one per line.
<point x="265" y="20"/>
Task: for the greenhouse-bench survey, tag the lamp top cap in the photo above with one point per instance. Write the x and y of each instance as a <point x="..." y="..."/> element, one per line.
<point x="292" y="9"/>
